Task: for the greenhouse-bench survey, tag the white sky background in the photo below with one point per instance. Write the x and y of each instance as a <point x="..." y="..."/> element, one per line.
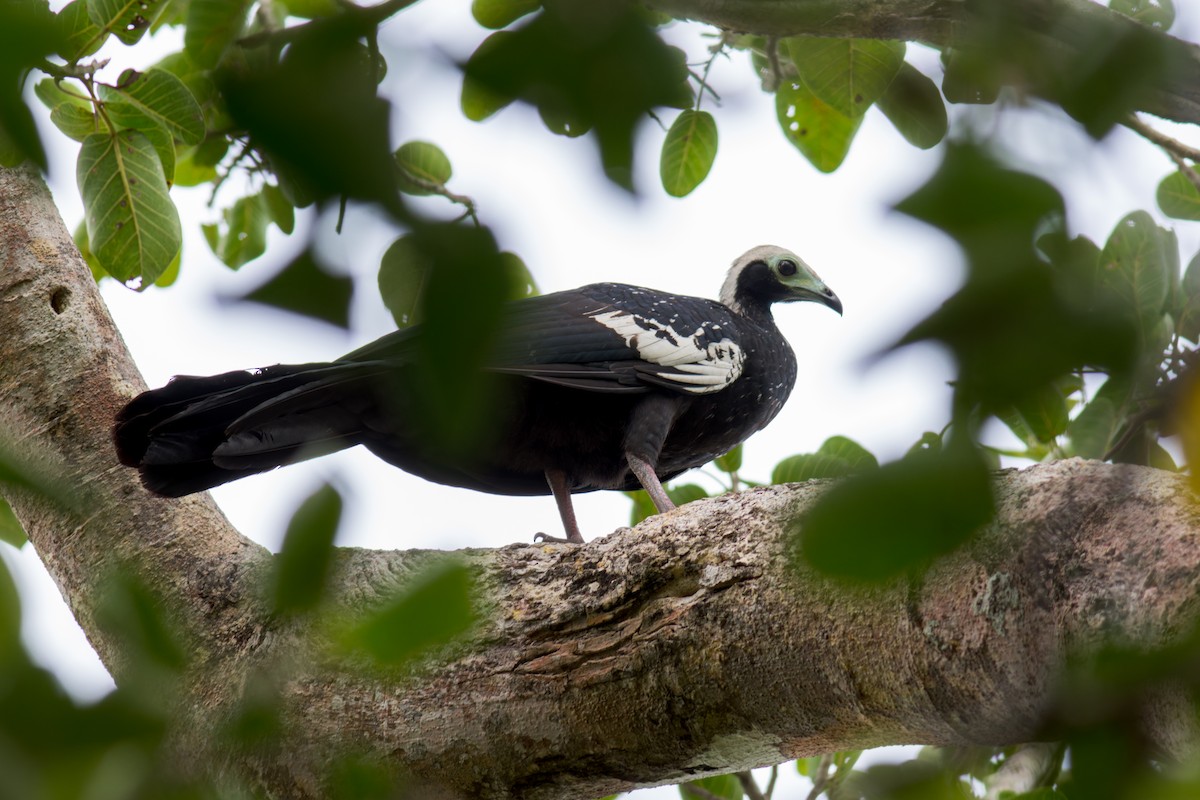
<point x="546" y="200"/>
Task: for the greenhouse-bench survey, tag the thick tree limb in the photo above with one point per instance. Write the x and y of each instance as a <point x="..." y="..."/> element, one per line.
<point x="1054" y="32"/>
<point x="680" y="648"/>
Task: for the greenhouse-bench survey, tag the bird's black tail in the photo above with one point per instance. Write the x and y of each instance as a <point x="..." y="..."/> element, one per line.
<point x="196" y="433"/>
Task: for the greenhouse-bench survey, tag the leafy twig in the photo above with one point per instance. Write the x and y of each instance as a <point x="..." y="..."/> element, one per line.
<point x="439" y="189"/>
<point x="715" y="50"/>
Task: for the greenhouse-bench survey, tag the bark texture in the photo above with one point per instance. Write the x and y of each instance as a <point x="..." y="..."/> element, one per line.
<point x="1064" y="37"/>
<point x="683" y="647"/>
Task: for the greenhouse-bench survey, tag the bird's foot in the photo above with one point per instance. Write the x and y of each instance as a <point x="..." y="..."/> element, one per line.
<point x="572" y="537"/>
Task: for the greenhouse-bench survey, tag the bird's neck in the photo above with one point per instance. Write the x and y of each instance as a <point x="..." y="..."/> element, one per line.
<point x="753" y="309"/>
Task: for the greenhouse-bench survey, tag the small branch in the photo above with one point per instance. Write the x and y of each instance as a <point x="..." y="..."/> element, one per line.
<point x="776" y="77"/>
<point x="1187" y="169"/>
<point x="771" y="783"/>
<point x="1031" y="766"/>
<point x="746" y="778"/>
<point x="1174" y="148"/>
<point x="821" y="778"/>
<point x="468" y="204"/>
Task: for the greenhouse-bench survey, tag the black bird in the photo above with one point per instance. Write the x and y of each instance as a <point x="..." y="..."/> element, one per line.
<point x="607" y="386"/>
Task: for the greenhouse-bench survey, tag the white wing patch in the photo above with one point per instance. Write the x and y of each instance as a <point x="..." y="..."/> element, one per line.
<point x="701" y="368"/>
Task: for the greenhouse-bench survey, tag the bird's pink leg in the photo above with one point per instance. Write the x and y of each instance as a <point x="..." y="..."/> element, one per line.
<point x="650" y="482"/>
<point x="562" y="497"/>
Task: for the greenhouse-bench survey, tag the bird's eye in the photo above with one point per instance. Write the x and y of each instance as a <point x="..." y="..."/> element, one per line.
<point x="787" y="268"/>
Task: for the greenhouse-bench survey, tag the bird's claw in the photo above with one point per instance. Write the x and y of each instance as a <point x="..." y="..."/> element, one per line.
<point x="547" y="538"/>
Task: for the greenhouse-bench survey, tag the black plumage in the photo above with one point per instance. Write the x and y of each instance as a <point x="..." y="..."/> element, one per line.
<point x="608" y="386"/>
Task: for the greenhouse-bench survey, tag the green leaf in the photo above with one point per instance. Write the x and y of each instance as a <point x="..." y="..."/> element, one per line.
<point x="424" y="167"/>
<point x="688" y="152"/>
<point x="1045" y="411"/>
<point x="1158" y="14"/>
<point x="10" y="154"/>
<point x="568" y="60"/>
<point x="818" y="130"/>
<point x="89" y="258"/>
<point x="1095" y="429"/>
<point x="460" y="320"/>
<point x="837" y="457"/>
<point x="523" y="284"/>
<point x="303" y="564"/>
<point x="1178" y="197"/>
<point x="155" y="97"/>
<point x="10" y="619"/>
<point x="431" y="610"/>
<point x="133" y="227"/>
<point x="281" y="212"/>
<point x="171" y="273"/>
<point x="685" y="493"/>
<point x="164" y="145"/>
<point x="305" y="287"/>
<point x="1160" y="458"/>
<point x="914" y="105"/>
<point x="1188" y="323"/>
<point x="1044" y="793"/>
<point x="325" y="87"/>
<point x="189" y="172"/>
<point x="11" y="531"/>
<point x="730" y="462"/>
<point x="134" y="616"/>
<point x="496" y="14"/>
<point x="28" y="34"/>
<point x="726" y="787"/>
<point x="1017" y="323"/>
<point x="312" y="9"/>
<point x="128" y="20"/>
<point x="969" y="78"/>
<point x="846" y="74"/>
<point x="850" y="451"/>
<point x="53" y="95"/>
<point x="403" y="273"/>
<point x="244" y="234"/>
<point x="210" y="152"/>
<point x="479" y="100"/>
<point x="643" y="506"/>
<point x="882" y="522"/>
<point x="561" y="123"/>
<point x="81" y="36"/>
<point x="1134" y="266"/>
<point x="76" y="121"/>
<point x="212" y="25"/>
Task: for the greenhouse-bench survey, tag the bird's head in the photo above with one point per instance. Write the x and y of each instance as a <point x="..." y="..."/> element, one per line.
<point x="768" y="274"/>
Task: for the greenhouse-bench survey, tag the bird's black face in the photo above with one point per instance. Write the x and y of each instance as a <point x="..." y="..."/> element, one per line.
<point x="768" y="274"/>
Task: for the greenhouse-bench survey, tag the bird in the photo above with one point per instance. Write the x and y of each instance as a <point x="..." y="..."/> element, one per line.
<point x="608" y="386"/>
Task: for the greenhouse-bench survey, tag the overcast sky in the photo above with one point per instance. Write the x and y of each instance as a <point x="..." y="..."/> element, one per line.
<point x="546" y="200"/>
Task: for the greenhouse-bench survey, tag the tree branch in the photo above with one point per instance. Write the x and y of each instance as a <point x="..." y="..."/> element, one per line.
<point x="684" y="647"/>
<point x="1052" y="30"/>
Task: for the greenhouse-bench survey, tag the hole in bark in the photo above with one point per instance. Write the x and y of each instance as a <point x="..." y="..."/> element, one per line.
<point x="59" y="298"/>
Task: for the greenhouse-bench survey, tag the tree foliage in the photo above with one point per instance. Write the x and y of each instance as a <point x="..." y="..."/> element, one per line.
<point x="1076" y="347"/>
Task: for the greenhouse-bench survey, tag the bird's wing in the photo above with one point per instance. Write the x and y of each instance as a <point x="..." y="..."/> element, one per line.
<point x="605" y="337"/>
<point x="619" y="338"/>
